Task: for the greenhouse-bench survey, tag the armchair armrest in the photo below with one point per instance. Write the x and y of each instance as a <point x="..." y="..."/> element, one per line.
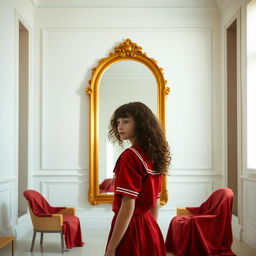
<point x="55" y="222"/>
<point x="68" y="211"/>
<point x="182" y="211"/>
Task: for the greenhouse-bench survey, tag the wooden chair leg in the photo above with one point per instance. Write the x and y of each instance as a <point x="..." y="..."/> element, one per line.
<point x="62" y="242"/>
<point x="12" y="248"/>
<point x="41" y="239"/>
<point x="33" y="241"/>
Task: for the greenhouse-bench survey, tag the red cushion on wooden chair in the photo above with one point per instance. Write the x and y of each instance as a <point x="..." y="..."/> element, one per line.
<point x="207" y="231"/>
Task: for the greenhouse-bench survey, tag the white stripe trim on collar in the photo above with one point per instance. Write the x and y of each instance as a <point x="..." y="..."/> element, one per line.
<point x="143" y="162"/>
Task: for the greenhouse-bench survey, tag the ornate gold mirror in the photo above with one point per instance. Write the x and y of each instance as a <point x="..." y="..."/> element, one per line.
<point x="127" y="75"/>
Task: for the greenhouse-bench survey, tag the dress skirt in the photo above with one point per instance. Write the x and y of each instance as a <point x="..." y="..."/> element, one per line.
<point x="143" y="237"/>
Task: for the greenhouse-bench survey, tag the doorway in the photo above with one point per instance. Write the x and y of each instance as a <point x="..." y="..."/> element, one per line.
<point x="23" y="49"/>
<point x="232" y="150"/>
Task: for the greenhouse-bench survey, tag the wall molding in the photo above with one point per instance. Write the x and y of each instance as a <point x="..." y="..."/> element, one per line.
<point x="194" y="172"/>
<point x="85" y="172"/>
<point x="45" y="183"/>
<point x="42" y="173"/>
<point x="181" y="4"/>
<point x="44" y="30"/>
<point x="9" y="211"/>
<point x="209" y="184"/>
<point x="7" y="179"/>
<point x="23" y="227"/>
<point x="236" y="227"/>
<point x="62" y="186"/>
<point x="249" y="236"/>
<point x="249" y="189"/>
<point x="223" y="4"/>
<point x="249" y="177"/>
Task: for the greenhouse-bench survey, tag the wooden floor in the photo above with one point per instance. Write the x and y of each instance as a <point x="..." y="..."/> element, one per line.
<point x="95" y="241"/>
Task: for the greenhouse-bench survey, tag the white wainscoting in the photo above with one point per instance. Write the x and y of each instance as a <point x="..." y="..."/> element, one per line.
<point x="249" y="211"/>
<point x="63" y="193"/>
<point x="184" y="193"/>
<point x="6" y="208"/>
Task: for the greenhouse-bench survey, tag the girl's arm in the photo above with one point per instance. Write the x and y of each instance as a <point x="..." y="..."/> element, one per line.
<point x="122" y="221"/>
<point x="154" y="211"/>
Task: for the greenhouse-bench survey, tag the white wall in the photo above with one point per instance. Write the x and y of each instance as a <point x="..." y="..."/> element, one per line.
<point x="245" y="224"/>
<point x="10" y="13"/>
<point x="70" y="42"/>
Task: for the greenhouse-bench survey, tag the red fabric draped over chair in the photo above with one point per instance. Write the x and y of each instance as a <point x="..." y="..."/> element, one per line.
<point x="71" y="224"/>
<point x="107" y="186"/>
<point x="38" y="204"/>
<point x="207" y="231"/>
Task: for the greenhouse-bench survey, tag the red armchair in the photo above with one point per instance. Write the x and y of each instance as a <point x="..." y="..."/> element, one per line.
<point x="107" y="186"/>
<point x="206" y="230"/>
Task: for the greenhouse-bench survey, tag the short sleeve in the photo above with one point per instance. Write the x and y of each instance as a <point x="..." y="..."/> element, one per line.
<point x="130" y="175"/>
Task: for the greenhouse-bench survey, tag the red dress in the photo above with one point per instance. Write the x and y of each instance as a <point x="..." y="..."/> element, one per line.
<point x="135" y="177"/>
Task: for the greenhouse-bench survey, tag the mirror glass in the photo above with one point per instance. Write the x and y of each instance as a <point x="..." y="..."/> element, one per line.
<point x="124" y="81"/>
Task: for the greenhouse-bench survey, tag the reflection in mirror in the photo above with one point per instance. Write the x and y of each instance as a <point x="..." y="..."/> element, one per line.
<point x="123" y="82"/>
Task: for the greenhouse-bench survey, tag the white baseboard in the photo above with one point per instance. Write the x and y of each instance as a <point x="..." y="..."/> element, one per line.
<point x="6" y="231"/>
<point x="249" y="236"/>
<point x="236" y="228"/>
<point x="23" y="227"/>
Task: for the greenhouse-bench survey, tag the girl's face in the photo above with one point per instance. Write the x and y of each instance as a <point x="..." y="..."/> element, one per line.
<point x="126" y="128"/>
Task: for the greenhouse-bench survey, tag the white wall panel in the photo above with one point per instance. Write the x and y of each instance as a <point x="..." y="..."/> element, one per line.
<point x="63" y="193"/>
<point x="6" y="208"/>
<point x="67" y="61"/>
<point x="189" y="121"/>
<point x="187" y="192"/>
<point x="249" y="207"/>
<point x="249" y="211"/>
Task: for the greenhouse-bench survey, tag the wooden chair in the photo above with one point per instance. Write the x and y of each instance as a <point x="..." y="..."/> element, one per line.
<point x="51" y="224"/>
<point x="182" y="211"/>
<point x="5" y="240"/>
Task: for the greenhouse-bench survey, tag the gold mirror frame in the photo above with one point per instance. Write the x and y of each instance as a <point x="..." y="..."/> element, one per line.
<point x="124" y="51"/>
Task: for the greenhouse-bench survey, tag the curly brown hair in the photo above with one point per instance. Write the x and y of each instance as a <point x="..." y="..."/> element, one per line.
<point x="149" y="134"/>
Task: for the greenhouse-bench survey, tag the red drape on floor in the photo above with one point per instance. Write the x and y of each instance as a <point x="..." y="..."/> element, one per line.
<point x="207" y="232"/>
<point x="71" y="224"/>
<point x="72" y="231"/>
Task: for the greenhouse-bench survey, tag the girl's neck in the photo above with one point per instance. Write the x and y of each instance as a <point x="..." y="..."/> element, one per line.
<point x="133" y="141"/>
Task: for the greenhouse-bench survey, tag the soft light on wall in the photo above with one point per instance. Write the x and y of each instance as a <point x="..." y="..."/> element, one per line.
<point x="251" y="88"/>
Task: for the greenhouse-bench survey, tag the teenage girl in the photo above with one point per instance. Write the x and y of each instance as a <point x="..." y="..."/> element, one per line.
<point x="138" y="178"/>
